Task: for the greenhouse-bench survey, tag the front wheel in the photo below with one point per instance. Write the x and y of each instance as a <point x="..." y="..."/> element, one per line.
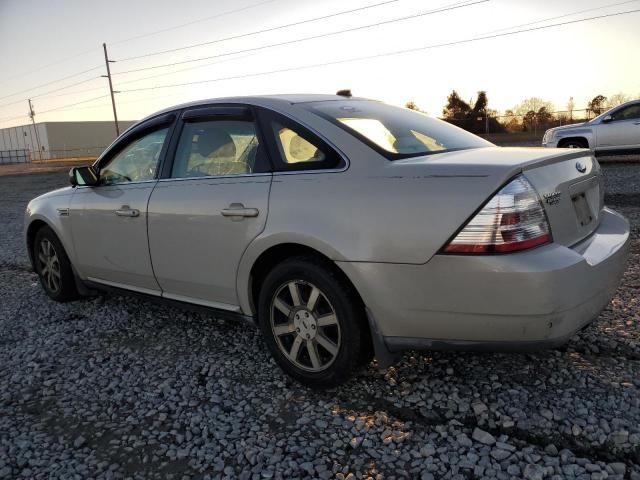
<point x="312" y="321"/>
<point x="53" y="267"/>
<point x="575" y="144"/>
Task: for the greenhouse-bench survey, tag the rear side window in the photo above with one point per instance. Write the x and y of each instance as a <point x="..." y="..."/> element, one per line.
<point x="395" y="132"/>
<point x="295" y="148"/>
<point x="218" y="148"/>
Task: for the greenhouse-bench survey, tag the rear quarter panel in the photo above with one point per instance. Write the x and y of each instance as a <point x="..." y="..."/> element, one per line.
<point x="374" y="211"/>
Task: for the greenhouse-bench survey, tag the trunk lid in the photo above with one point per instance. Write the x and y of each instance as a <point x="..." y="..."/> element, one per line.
<point x="571" y="195"/>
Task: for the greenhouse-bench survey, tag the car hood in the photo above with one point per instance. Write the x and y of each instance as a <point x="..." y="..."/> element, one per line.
<point x="568" y="127"/>
<point x="54" y="193"/>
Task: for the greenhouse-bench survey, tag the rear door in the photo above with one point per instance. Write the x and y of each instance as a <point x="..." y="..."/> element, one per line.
<point x="211" y="204"/>
<point x="109" y="221"/>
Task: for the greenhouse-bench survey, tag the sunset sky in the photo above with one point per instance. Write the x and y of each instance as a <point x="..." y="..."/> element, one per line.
<point x="41" y="42"/>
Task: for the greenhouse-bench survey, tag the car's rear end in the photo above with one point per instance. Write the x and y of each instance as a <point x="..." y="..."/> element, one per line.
<point x="537" y="261"/>
<point x="465" y="244"/>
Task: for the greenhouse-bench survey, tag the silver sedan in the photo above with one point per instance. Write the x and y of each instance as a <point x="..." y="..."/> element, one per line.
<point x="342" y="227"/>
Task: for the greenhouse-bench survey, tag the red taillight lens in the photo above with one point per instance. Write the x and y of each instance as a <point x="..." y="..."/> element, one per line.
<point x="512" y="220"/>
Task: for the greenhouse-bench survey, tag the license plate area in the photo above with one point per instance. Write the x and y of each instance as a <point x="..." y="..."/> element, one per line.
<point x="584" y="214"/>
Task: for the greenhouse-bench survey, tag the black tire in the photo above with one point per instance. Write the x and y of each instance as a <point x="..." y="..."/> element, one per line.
<point x="337" y="295"/>
<point x="574" y="143"/>
<point x="64" y="288"/>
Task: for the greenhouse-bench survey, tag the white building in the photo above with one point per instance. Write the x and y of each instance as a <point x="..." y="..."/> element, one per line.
<point x="55" y="140"/>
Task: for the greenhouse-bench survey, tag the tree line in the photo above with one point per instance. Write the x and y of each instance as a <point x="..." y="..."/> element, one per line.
<point x="531" y="115"/>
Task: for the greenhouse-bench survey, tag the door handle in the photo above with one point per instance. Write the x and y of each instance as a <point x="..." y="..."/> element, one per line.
<point x="636" y="123"/>
<point x="239" y="210"/>
<point x="125" y="211"/>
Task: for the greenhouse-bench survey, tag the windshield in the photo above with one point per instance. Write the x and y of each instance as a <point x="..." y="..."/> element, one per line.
<point x="396" y="132"/>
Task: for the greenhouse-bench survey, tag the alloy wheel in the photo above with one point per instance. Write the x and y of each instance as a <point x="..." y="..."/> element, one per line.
<point x="49" y="265"/>
<point x="305" y="325"/>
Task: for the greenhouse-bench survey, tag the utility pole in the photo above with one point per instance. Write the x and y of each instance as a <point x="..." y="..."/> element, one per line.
<point x="113" y="98"/>
<point x="32" y="115"/>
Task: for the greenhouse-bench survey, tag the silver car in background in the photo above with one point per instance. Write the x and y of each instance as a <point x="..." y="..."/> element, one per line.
<point x="343" y="227"/>
<point x="615" y="131"/>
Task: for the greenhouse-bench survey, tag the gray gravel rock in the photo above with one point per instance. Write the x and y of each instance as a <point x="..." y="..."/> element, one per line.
<point x="115" y="387"/>
<point x="481" y="436"/>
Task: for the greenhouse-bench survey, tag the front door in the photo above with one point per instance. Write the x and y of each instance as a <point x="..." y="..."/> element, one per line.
<point x="214" y="204"/>
<point x="622" y="131"/>
<point x="109" y="221"/>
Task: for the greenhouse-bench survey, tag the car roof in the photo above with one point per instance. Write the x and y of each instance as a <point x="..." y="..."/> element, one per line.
<point x="262" y="100"/>
<point x="267" y="101"/>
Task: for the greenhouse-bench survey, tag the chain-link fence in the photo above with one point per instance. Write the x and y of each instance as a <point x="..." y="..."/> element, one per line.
<point x="14" y="156"/>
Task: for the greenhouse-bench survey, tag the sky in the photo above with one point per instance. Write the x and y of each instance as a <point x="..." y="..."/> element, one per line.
<point x="43" y="42"/>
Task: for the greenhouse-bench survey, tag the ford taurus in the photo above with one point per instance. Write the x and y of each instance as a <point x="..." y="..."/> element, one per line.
<point x="343" y="227"/>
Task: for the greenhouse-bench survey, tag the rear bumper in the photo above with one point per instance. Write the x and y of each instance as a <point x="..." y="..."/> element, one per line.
<point x="529" y="300"/>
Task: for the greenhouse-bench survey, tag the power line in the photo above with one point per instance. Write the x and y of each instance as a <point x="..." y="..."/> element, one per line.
<point x="81" y="108"/>
<point x="163" y="30"/>
<point x="42" y="67"/>
<point x="387" y="54"/>
<point x="272" y="29"/>
<point x="7" y="119"/>
<point x="313" y="37"/>
<point x="562" y="16"/>
<point x="85" y="52"/>
<point x="73" y="104"/>
<point x="208" y="64"/>
<point x="55" y="109"/>
<point x="52" y="81"/>
<point x="56" y="90"/>
<point x="450" y="7"/>
<point x="218" y="15"/>
<point x="75" y="92"/>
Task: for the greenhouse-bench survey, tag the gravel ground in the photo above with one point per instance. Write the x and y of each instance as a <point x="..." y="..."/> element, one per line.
<point x="115" y="387"/>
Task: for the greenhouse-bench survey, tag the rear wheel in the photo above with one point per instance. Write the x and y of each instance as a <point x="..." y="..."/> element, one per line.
<point x="312" y="322"/>
<point x="53" y="267"/>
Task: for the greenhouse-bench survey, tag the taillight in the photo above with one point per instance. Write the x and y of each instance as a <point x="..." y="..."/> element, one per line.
<point x="512" y="220"/>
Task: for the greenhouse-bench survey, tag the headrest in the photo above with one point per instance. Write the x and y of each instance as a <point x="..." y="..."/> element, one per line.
<point x="300" y="149"/>
<point x="215" y="142"/>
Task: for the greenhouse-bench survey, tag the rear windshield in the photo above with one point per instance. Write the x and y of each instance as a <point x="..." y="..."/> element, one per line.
<point x="396" y="132"/>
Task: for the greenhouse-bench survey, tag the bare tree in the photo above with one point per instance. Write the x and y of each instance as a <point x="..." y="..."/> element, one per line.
<point x="570" y="107"/>
<point x="411" y="105"/>
<point x="617" y="99"/>
<point x="533" y="104"/>
<point x="534" y="111"/>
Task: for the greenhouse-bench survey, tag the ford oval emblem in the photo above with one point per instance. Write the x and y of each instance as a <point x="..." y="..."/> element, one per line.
<point x="581" y="167"/>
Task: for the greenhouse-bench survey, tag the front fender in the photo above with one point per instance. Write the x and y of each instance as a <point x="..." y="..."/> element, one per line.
<point x="586" y="133"/>
<point x="52" y="211"/>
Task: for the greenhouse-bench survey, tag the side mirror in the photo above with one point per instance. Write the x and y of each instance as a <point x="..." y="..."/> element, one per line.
<point x="88" y="175"/>
<point x="607" y="119"/>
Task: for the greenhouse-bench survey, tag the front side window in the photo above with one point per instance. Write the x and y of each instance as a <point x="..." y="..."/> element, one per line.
<point x="218" y="148"/>
<point x="137" y="162"/>
<point x="631" y="112"/>
<point x="396" y="132"/>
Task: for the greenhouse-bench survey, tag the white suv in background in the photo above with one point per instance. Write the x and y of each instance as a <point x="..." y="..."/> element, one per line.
<point x="615" y="131"/>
